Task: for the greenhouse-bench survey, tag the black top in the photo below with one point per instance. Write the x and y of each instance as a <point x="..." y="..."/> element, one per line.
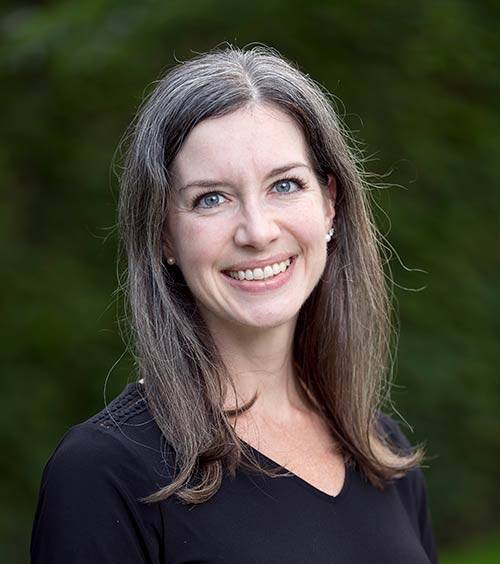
<point x="88" y="509"/>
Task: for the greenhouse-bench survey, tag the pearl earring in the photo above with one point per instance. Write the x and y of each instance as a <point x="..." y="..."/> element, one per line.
<point x="329" y="235"/>
<point x="170" y="260"/>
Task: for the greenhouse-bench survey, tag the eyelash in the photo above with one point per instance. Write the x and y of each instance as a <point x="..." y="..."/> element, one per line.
<point x="300" y="183"/>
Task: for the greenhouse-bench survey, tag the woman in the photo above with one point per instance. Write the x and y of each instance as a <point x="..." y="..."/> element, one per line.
<point x="262" y="334"/>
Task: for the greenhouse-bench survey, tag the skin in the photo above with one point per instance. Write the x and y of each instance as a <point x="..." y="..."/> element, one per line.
<point x="249" y="219"/>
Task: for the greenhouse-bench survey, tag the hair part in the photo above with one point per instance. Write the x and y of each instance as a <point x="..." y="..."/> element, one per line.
<point x="344" y="333"/>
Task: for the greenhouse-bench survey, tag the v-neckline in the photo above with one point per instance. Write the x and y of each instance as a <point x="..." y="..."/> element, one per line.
<point x="348" y="469"/>
<point x="304" y="483"/>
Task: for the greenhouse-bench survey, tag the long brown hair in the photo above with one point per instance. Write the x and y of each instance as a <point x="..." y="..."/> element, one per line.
<point x="344" y="334"/>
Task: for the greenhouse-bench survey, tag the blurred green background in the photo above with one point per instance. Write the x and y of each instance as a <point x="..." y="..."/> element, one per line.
<point x="419" y="84"/>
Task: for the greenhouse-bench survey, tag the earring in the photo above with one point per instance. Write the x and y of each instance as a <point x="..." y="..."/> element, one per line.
<point x="170" y="260"/>
<point x="329" y="235"/>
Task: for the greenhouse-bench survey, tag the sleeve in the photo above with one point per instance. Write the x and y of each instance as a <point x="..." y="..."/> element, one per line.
<point x="424" y="518"/>
<point x="413" y="490"/>
<point x="88" y="508"/>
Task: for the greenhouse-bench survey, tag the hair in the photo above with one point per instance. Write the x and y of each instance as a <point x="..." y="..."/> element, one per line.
<point x="342" y="346"/>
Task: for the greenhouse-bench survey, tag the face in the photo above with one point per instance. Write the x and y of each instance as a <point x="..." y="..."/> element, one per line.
<point x="234" y="211"/>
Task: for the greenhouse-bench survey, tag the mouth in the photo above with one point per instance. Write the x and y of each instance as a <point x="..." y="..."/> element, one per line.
<point x="261" y="275"/>
<point x="262" y="286"/>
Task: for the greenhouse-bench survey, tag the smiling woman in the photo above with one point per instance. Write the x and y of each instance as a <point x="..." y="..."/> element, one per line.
<point x="253" y="227"/>
<point x="262" y="328"/>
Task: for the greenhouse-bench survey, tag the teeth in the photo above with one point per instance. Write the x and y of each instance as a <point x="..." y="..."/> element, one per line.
<point x="259" y="273"/>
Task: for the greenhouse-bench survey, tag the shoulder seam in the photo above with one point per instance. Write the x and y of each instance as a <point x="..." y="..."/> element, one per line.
<point x="119" y="410"/>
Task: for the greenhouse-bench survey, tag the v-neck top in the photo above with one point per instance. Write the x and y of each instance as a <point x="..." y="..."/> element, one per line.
<point x="89" y="507"/>
<point x="269" y="462"/>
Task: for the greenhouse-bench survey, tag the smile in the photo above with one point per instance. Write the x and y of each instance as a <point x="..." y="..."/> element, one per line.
<point x="269" y="271"/>
<point x="260" y="280"/>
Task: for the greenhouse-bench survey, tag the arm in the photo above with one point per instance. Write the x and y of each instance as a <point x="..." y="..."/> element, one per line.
<point x="424" y="518"/>
<point x="413" y="491"/>
<point x="87" y="508"/>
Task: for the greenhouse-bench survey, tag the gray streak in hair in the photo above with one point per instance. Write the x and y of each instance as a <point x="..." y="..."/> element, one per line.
<point x="344" y="334"/>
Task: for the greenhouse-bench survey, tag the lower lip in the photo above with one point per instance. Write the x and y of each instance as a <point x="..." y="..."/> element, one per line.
<point x="261" y="286"/>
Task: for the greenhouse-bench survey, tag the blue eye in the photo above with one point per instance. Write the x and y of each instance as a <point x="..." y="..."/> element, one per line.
<point x="209" y="198"/>
<point x="288" y="181"/>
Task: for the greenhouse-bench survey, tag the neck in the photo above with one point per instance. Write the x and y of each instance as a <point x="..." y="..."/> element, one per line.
<point x="261" y="360"/>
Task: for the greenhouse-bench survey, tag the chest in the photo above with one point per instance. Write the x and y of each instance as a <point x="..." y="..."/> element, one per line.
<point x="254" y="518"/>
<point x="307" y="450"/>
<point x="323" y="513"/>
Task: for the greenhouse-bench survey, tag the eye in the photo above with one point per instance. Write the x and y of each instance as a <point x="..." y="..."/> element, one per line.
<point x="212" y="200"/>
<point x="209" y="198"/>
<point x="284" y="185"/>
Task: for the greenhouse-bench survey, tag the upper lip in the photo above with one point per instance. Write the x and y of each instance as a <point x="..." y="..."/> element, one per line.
<point x="260" y="263"/>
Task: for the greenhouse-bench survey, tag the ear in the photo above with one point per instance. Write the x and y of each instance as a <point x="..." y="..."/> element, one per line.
<point x="330" y="199"/>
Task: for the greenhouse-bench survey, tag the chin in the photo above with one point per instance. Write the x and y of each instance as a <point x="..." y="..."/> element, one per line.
<point x="267" y="321"/>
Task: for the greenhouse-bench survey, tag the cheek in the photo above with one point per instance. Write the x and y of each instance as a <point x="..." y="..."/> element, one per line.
<point x="198" y="242"/>
<point x="308" y="223"/>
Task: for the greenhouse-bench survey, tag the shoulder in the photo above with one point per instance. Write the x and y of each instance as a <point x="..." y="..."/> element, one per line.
<point x="93" y="484"/>
<point x="121" y="442"/>
<point x="398" y="440"/>
<point x="411" y="488"/>
<point x="391" y="430"/>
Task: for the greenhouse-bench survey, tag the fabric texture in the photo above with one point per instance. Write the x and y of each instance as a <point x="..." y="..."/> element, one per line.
<point x="89" y="508"/>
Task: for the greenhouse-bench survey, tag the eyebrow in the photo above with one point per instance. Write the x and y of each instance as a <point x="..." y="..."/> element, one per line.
<point x="214" y="183"/>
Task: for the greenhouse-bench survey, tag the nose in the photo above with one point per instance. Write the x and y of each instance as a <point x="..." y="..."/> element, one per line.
<point x="257" y="227"/>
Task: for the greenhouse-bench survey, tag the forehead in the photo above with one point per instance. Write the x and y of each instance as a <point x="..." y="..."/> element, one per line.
<point x="249" y="141"/>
